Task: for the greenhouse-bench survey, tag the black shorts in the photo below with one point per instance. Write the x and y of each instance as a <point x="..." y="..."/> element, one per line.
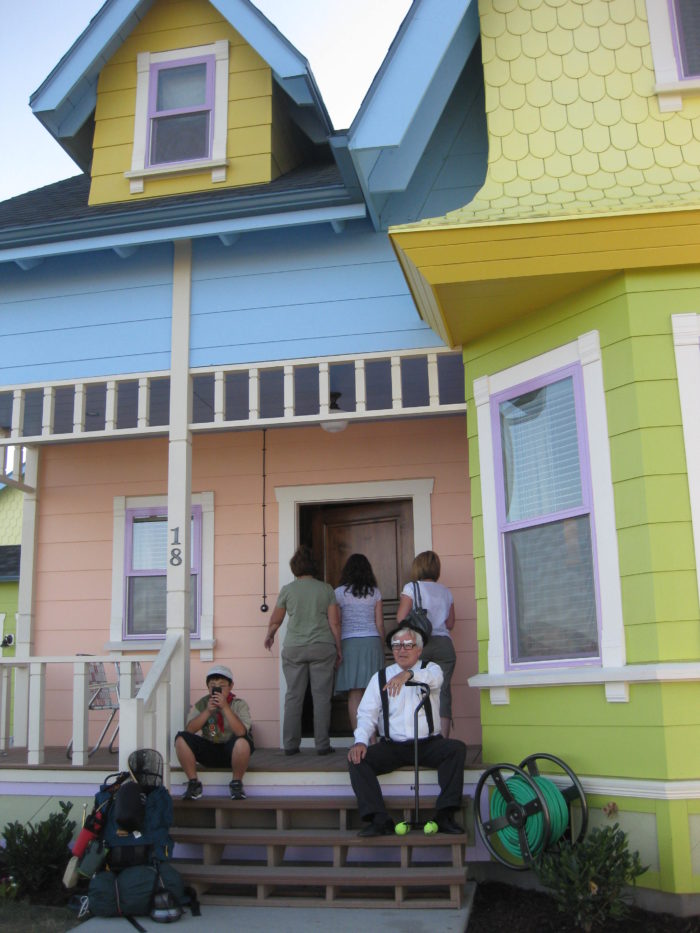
<point x="213" y="754"/>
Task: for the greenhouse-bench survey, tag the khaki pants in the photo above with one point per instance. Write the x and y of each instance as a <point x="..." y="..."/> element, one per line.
<point x="302" y="664"/>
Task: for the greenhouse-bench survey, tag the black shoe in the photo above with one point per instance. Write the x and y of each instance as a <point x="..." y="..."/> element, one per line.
<point x="325" y="751"/>
<point x="236" y="789"/>
<point x="193" y="791"/>
<point x="384" y="827"/>
<point x="291" y="751"/>
<point x="447" y="824"/>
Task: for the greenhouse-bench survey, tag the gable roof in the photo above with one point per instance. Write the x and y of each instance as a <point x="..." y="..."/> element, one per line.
<point x="66" y="99"/>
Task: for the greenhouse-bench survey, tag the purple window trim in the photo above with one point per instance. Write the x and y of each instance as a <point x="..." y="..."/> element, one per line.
<point x="574" y="372"/>
<point x="154" y="114"/>
<point x="195" y="568"/>
<point x="678" y="48"/>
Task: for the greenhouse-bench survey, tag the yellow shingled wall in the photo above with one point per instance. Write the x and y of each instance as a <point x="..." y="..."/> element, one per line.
<point x="169" y="25"/>
<point x="573" y="120"/>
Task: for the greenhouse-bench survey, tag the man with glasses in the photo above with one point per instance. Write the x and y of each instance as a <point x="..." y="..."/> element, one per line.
<point x="388" y="706"/>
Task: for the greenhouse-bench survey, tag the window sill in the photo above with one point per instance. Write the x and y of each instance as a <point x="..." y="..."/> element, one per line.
<point x="615" y="679"/>
<point x="205" y="646"/>
<point x="671" y="94"/>
<point x="137" y="176"/>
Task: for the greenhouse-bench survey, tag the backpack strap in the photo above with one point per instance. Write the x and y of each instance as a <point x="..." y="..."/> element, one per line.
<point x="385" y="701"/>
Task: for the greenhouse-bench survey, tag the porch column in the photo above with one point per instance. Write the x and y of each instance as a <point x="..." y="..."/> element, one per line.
<point x="180" y="489"/>
<point x="25" y="595"/>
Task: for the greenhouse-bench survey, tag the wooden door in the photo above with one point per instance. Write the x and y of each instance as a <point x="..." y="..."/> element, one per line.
<point x="383" y="532"/>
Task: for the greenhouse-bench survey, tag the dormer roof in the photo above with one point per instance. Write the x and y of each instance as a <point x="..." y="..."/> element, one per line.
<point x="65" y="101"/>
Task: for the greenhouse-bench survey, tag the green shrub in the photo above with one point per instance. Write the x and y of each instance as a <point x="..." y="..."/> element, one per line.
<point x="588" y="880"/>
<point x="36" y="856"/>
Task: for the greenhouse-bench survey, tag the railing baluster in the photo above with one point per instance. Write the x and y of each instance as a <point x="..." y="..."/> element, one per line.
<point x="17" y="428"/>
<point x="47" y="411"/>
<point x="396" y="394"/>
<point x="5" y="682"/>
<point x="219" y="396"/>
<point x="324" y="388"/>
<point x="80" y="714"/>
<point x="288" y="391"/>
<point x="111" y="405"/>
<point x="143" y="403"/>
<point x="433" y="385"/>
<point x="360" y="386"/>
<point x="79" y="408"/>
<point x="254" y="394"/>
<point x="37" y="694"/>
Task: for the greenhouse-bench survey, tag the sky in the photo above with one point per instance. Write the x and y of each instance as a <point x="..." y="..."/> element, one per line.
<point x="334" y="35"/>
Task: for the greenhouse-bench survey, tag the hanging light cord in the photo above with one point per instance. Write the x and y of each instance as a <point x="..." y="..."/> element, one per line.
<point x="264" y="607"/>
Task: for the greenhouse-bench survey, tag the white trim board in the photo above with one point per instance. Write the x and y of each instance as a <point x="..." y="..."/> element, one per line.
<point x="586" y="352"/>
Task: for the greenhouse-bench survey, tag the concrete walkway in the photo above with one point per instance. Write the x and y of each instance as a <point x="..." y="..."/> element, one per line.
<point x="301" y="920"/>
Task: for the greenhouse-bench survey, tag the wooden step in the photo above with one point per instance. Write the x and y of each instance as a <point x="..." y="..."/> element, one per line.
<point x="343" y="886"/>
<point x="308" y="837"/>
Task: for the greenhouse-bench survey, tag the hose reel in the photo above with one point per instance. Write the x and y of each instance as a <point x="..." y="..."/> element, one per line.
<point x="528" y="812"/>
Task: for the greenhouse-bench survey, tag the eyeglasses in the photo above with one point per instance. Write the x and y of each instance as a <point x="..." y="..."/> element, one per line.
<point x="406" y="645"/>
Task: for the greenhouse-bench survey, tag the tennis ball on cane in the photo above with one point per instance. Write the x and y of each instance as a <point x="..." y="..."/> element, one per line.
<point x="401" y="829"/>
<point x="430" y="828"/>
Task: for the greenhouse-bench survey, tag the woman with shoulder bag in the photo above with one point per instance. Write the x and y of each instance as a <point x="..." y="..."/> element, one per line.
<point x="437" y="600"/>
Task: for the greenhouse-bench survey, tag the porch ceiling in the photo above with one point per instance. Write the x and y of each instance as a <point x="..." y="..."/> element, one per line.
<point x="472" y="280"/>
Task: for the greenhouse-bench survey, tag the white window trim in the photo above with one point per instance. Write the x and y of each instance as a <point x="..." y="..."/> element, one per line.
<point x="686" y="345"/>
<point x="586" y="352"/>
<point x="218" y="162"/>
<point x="289" y="498"/>
<point x="205" y="641"/>
<point x="670" y="86"/>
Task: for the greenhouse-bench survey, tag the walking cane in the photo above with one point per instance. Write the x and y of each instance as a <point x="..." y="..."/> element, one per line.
<point x="430" y="826"/>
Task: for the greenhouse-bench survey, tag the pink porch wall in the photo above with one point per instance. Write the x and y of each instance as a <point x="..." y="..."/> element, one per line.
<point x="79" y="482"/>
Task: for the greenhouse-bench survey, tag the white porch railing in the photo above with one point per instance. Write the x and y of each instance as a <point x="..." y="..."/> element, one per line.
<point x="145" y="718"/>
<point x="35" y="699"/>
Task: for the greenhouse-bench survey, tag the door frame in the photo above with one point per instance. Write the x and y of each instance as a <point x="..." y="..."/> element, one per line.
<point x="290" y="498"/>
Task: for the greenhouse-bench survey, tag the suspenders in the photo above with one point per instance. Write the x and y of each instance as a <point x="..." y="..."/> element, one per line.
<point x="385" y="704"/>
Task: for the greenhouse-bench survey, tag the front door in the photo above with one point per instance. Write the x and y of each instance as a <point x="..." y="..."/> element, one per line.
<point x="383" y="532"/>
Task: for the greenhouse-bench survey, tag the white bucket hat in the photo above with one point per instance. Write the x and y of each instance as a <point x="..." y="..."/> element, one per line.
<point x="220" y="670"/>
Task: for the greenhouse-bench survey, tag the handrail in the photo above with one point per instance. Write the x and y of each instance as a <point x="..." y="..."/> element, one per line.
<point x="145" y="718"/>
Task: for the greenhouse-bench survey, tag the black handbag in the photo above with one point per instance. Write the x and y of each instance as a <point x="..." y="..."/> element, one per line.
<point x="417" y="617"/>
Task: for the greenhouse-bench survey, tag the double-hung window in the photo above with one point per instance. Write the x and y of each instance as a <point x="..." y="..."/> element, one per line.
<point x="686" y="22"/>
<point x="181" y="113"/>
<point x="545" y="520"/>
<point x="143" y="543"/>
<point x="147" y="543"/>
<point x="553" y="590"/>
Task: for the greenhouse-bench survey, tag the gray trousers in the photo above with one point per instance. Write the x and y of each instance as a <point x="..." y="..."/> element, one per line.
<point x="302" y="664"/>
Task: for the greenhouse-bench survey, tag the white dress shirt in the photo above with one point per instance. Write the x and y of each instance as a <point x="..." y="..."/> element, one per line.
<point x="401" y="708"/>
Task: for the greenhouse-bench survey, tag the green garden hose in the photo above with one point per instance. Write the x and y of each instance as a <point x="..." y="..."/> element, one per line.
<point x="522" y="792"/>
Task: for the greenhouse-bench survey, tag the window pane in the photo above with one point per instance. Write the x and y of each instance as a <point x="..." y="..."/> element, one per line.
<point x="63" y="410"/>
<point x="127" y="404"/>
<point x="551" y="591"/>
<point x="159" y="402"/>
<point x="688" y="18"/>
<point x="203" y="398"/>
<point x="271" y="393"/>
<point x="95" y="406"/>
<point x="33" y="404"/>
<point x="179" y="138"/>
<point x="541" y="472"/>
<point x="149" y="544"/>
<point x="306" y="400"/>
<point x="378" y="384"/>
<point x="342" y="386"/>
<point x="6" y="410"/>
<point x="237" y="395"/>
<point x="147" y="602"/>
<point x="182" y="87"/>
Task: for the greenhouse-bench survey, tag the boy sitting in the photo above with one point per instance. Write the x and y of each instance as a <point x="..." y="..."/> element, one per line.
<point x="225" y="724"/>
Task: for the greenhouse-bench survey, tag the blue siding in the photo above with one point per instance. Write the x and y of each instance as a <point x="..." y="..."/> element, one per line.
<point x="295" y="294"/>
<point x="80" y="316"/>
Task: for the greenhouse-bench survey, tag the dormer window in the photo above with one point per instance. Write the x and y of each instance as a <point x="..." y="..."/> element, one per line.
<point x="180" y="111"/>
<point x="181" y="115"/>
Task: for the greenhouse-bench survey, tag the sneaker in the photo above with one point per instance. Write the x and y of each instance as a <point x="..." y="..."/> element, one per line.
<point x="236" y="788"/>
<point x="193" y="791"/>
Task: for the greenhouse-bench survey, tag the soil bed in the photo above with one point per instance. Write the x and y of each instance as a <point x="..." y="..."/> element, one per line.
<point x="501" y="907"/>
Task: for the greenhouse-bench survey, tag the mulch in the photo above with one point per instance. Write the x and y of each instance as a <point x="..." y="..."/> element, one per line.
<point x="500" y="907"/>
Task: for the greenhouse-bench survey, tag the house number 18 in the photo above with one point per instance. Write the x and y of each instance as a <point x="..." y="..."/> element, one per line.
<point x="175" y="549"/>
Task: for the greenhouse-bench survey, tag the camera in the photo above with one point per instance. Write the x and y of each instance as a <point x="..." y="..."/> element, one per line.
<point x="216" y="689"/>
